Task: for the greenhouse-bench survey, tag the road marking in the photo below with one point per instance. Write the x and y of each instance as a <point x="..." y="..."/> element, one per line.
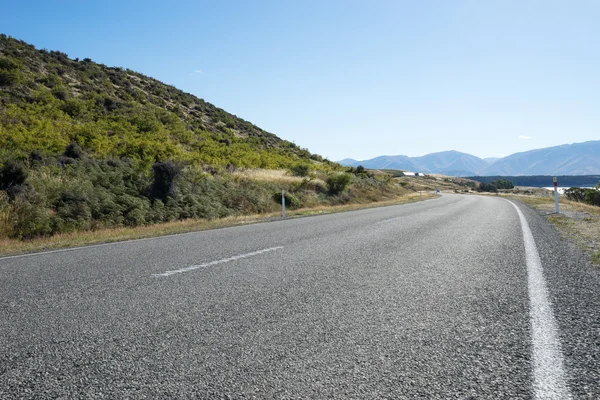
<point x="549" y="378"/>
<point x="222" y="261"/>
<point x="389" y="220"/>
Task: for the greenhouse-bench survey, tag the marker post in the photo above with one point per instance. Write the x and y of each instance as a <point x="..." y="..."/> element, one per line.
<point x="283" y="203"/>
<point x="556" y="195"/>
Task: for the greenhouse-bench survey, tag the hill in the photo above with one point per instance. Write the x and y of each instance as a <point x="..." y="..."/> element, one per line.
<point x="568" y="159"/>
<point x="84" y="147"/>
<point x="48" y="101"/>
<point x="348" y="162"/>
<point x="387" y="162"/>
<point x="452" y="163"/>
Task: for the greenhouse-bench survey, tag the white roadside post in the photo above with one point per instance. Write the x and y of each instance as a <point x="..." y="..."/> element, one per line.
<point x="556" y="195"/>
<point x="283" y="203"/>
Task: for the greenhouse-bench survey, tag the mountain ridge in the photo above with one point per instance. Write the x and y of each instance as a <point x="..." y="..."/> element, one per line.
<point x="568" y="159"/>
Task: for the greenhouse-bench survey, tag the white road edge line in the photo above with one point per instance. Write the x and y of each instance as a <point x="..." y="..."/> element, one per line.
<point x="549" y="378"/>
<point x="209" y="264"/>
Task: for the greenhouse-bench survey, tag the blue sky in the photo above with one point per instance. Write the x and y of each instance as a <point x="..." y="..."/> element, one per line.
<point x="355" y="78"/>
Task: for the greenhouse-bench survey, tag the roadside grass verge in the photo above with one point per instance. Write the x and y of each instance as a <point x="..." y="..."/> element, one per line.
<point x="596" y="257"/>
<point x="578" y="222"/>
<point x="75" y="239"/>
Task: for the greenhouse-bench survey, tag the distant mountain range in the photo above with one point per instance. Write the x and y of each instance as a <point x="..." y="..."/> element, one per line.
<point x="569" y="159"/>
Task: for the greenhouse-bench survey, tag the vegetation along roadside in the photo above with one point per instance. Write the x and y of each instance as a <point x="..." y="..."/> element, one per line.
<point x="86" y="148"/>
<point x="577" y="221"/>
<point x="91" y="153"/>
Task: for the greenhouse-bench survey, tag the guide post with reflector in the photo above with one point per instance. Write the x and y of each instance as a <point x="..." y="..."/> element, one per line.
<point x="283" y="203"/>
<point x="556" y="195"/>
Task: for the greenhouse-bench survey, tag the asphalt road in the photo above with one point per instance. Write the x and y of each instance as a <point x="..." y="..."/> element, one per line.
<point x="425" y="300"/>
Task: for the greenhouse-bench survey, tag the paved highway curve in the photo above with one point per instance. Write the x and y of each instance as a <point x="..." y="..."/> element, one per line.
<point x="424" y="300"/>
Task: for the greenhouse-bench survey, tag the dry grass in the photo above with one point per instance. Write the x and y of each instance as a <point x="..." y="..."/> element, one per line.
<point x="546" y="204"/>
<point x="577" y="221"/>
<point x="12" y="246"/>
<point x="271" y="175"/>
<point x="267" y="175"/>
<point x="431" y="182"/>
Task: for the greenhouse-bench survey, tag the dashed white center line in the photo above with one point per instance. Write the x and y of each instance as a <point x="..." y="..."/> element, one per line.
<point x="549" y="378"/>
<point x="216" y="262"/>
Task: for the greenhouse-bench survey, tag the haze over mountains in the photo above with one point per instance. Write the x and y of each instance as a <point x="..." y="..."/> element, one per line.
<point x="569" y="159"/>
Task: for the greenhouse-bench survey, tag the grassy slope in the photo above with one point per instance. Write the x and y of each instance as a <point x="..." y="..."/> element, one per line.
<point x="48" y="101"/>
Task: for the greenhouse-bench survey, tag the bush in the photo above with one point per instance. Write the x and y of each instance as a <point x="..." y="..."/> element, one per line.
<point x="73" y="209"/>
<point x="73" y="151"/>
<point x="291" y="201"/>
<point x="9" y="64"/>
<point x="588" y="196"/>
<point x="8" y="78"/>
<point x="29" y="220"/>
<point x="164" y="179"/>
<point x="575" y="194"/>
<point x="502" y="184"/>
<point x="135" y="209"/>
<point x="487" y="187"/>
<point x="592" y="196"/>
<point x="106" y="209"/>
<point x="12" y="175"/>
<point x="72" y="107"/>
<point x="9" y="71"/>
<point x="35" y="157"/>
<point x="338" y="183"/>
<point x="60" y="93"/>
<point x="360" y="171"/>
<point x="300" y="169"/>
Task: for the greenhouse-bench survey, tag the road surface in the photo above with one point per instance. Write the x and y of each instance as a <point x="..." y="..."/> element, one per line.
<point x="457" y="297"/>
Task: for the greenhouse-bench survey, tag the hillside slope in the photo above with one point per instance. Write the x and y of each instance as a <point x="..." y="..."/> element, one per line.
<point x="85" y="147"/>
<point x="48" y="101"/>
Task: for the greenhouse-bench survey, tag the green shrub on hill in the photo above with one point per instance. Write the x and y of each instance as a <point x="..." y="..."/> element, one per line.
<point x="12" y="174"/>
<point x="300" y="169"/>
<point x="336" y="184"/>
<point x="9" y="71"/>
